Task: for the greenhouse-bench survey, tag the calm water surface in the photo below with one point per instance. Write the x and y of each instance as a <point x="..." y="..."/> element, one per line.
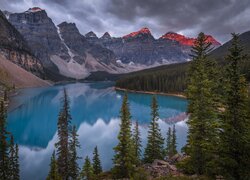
<point x="95" y="111"/>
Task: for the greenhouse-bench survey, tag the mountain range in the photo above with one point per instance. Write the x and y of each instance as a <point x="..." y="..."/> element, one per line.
<point x="59" y="52"/>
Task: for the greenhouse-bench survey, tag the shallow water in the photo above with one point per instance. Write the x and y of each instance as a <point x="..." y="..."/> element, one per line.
<point x="95" y="111"/>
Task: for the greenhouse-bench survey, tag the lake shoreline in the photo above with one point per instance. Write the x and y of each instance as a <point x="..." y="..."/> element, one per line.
<point x="151" y="92"/>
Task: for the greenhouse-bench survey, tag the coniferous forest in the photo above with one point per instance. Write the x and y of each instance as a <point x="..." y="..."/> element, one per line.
<point x="218" y="141"/>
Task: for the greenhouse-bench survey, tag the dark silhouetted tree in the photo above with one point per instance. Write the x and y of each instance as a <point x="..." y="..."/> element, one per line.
<point x="97" y="167"/>
<point x="124" y="160"/>
<point x="53" y="172"/>
<point x="73" y="145"/>
<point x="4" y="152"/>
<point x="137" y="143"/>
<point x="155" y="145"/>
<point x="63" y="127"/>
<point x="235" y="146"/>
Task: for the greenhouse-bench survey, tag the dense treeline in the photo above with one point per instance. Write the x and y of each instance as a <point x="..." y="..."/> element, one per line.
<point x="9" y="158"/>
<point x="173" y="78"/>
<point x="167" y="79"/>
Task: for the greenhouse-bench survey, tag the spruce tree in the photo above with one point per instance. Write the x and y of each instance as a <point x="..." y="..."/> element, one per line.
<point x="87" y="170"/>
<point x="155" y="145"/>
<point x="173" y="142"/>
<point x="97" y="167"/>
<point x="203" y="121"/>
<point x="12" y="155"/>
<point x="137" y="143"/>
<point x="235" y="154"/>
<point x="73" y="145"/>
<point x="63" y="127"/>
<point x="16" y="167"/>
<point x="124" y="160"/>
<point x="169" y="143"/>
<point x="53" y="172"/>
<point x="5" y="97"/>
<point x="4" y="159"/>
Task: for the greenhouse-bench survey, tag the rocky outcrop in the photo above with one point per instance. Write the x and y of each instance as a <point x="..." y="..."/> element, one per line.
<point x="161" y="168"/>
<point x="14" y="47"/>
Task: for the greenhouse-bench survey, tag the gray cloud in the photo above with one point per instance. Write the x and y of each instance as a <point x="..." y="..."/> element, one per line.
<point x="119" y="17"/>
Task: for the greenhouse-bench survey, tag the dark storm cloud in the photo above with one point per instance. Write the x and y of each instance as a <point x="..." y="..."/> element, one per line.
<point x="216" y="17"/>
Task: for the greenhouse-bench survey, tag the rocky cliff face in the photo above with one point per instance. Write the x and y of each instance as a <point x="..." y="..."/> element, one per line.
<point x="40" y="33"/>
<point x="62" y="48"/>
<point x="14" y="47"/>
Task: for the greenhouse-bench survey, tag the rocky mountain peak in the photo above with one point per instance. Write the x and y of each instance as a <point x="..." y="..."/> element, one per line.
<point x="179" y="38"/>
<point x="68" y="27"/>
<point x="142" y="32"/>
<point x="106" y="35"/>
<point x="187" y="40"/>
<point x="212" y="40"/>
<point x="90" y="34"/>
<point x="34" y="10"/>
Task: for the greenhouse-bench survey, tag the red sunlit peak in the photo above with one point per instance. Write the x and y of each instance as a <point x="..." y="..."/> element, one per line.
<point x="186" y="40"/>
<point x="142" y="31"/>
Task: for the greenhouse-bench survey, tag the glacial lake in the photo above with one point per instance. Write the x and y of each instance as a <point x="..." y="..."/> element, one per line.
<point x="95" y="111"/>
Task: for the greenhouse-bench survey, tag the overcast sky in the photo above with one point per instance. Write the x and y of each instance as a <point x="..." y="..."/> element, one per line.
<point x="119" y="17"/>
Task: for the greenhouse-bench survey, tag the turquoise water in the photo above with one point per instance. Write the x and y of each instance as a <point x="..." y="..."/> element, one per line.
<point x="95" y="111"/>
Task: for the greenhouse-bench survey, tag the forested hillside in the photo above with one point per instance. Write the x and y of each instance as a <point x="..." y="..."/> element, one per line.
<point x="172" y="78"/>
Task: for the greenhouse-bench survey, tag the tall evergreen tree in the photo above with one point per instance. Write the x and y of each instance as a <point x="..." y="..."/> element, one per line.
<point x="16" y="160"/>
<point x="236" y="123"/>
<point x="173" y="142"/>
<point x="5" y="96"/>
<point x="4" y="159"/>
<point x="97" y="167"/>
<point x="87" y="170"/>
<point x="155" y="145"/>
<point x="124" y="160"/>
<point x="203" y="108"/>
<point x="63" y="127"/>
<point x="137" y="143"/>
<point x="169" y="143"/>
<point x="73" y="145"/>
<point x="12" y="155"/>
<point x="53" y="172"/>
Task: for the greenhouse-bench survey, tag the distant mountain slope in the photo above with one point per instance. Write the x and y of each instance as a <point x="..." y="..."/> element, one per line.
<point x="172" y="78"/>
<point x="11" y="74"/>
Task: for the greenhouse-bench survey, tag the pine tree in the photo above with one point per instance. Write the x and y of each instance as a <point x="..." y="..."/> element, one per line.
<point x="87" y="170"/>
<point x="235" y="154"/>
<point x="97" y="167"/>
<point x="62" y="145"/>
<point x="203" y="123"/>
<point x="173" y="142"/>
<point x="12" y="155"/>
<point x="154" y="149"/>
<point x="5" y="97"/>
<point x="16" y="167"/>
<point x="124" y="160"/>
<point x="4" y="159"/>
<point x="137" y="143"/>
<point x="53" y="172"/>
<point x="169" y="143"/>
<point x="73" y="145"/>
